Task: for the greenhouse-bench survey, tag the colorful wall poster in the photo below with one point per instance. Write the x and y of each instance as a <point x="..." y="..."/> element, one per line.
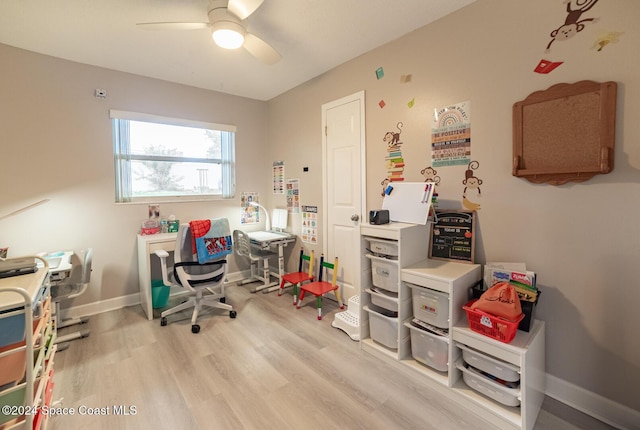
<point x="293" y="196"/>
<point x="278" y="177"/>
<point x="310" y="224"/>
<point x="451" y="135"/>
<point x="249" y="214"/>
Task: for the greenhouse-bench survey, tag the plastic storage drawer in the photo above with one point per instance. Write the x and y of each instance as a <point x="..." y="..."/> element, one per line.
<point x="429" y="348"/>
<point x="384" y="274"/>
<point x="493" y="366"/>
<point x="383" y="247"/>
<point x="430" y="306"/>
<point x="383" y="329"/>
<point x="12" y="327"/>
<point x="494" y="390"/>
<point x="385" y="299"/>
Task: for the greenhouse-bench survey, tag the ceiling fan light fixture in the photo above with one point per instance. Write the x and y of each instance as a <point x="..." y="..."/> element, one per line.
<point x="228" y="35"/>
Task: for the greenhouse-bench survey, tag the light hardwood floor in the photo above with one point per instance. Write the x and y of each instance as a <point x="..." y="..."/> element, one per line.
<point x="273" y="367"/>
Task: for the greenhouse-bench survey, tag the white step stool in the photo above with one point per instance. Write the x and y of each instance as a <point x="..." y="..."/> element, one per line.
<point x="349" y="320"/>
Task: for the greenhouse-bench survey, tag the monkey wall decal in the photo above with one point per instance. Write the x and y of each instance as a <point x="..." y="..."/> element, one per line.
<point x="392" y="138"/>
<point x="471" y="183"/>
<point x="430" y="175"/>
<point x="572" y="23"/>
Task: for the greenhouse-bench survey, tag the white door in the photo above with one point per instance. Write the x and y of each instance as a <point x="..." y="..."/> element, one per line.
<point x="343" y="144"/>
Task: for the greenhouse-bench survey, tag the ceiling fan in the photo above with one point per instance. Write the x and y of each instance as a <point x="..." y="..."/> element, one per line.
<point x="228" y="29"/>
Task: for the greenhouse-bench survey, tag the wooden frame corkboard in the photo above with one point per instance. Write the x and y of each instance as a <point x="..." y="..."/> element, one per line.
<point x="565" y="133"/>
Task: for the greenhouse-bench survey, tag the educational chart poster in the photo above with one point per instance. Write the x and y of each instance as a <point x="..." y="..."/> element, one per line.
<point x="249" y="214"/>
<point x="451" y="135"/>
<point x="293" y="196"/>
<point x="278" y="177"/>
<point x="310" y="224"/>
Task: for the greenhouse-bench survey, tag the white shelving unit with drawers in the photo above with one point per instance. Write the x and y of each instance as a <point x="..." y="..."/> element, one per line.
<point x="451" y="280"/>
<point x="27" y="349"/>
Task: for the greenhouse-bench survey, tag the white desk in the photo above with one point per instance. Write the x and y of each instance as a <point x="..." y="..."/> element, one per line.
<point x="147" y="245"/>
<point x="265" y="240"/>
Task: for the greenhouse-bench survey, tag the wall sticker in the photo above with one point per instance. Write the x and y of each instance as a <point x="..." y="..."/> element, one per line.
<point x="471" y="187"/>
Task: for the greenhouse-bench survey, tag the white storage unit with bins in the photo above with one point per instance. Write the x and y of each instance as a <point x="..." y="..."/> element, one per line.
<point x="438" y="290"/>
<point x="502" y="382"/>
<point x="385" y="306"/>
<point x="27" y="349"/>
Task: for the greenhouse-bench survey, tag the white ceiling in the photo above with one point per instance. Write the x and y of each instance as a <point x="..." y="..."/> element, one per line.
<point x="313" y="36"/>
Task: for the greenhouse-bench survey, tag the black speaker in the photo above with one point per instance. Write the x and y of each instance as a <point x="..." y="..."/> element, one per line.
<point x="381" y="216"/>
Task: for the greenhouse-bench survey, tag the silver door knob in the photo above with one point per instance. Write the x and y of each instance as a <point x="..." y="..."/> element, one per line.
<point x="355" y="217"/>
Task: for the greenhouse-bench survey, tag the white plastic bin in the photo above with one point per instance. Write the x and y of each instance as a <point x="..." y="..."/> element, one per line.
<point x="383" y="247"/>
<point x="493" y="390"/>
<point x="491" y="365"/>
<point x="429" y="348"/>
<point x="384" y="273"/>
<point x="383" y="329"/>
<point x="385" y="299"/>
<point x="430" y="306"/>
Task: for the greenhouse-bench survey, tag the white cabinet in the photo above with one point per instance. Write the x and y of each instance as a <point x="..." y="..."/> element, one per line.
<point x="27" y="349"/>
<point x="526" y="354"/>
<point x="449" y="282"/>
<point x="388" y="249"/>
<point x="445" y="285"/>
<point x="147" y="245"/>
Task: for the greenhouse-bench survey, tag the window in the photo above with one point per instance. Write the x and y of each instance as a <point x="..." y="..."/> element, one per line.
<point x="163" y="159"/>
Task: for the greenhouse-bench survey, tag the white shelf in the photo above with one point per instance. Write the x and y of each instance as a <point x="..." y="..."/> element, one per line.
<point x="526" y="351"/>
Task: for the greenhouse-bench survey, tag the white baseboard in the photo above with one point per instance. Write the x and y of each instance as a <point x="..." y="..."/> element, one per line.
<point x="601" y="408"/>
<point x="592" y="404"/>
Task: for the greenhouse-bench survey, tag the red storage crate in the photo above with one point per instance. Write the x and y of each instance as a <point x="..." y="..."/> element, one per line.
<point x="490" y="325"/>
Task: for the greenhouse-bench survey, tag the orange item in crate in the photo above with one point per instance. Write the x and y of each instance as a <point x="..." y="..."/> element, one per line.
<point x="491" y="325"/>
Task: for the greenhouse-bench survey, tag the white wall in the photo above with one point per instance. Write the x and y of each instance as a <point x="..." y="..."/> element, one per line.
<point x="56" y="144"/>
<point x="583" y="239"/>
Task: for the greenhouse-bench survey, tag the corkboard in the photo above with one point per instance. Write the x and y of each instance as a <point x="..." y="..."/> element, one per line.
<point x="565" y="133"/>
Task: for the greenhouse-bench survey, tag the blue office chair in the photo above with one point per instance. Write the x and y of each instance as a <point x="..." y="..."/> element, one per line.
<point x="205" y="281"/>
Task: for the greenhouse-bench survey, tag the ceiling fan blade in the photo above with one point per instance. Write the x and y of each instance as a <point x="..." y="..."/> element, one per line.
<point x="172" y="25"/>
<point x="261" y="49"/>
<point x="243" y="8"/>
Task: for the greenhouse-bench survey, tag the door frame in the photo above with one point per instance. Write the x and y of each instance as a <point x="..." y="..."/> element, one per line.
<point x="358" y="96"/>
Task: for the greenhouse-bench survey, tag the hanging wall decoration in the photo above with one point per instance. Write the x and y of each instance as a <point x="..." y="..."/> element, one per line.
<point x="249" y="214"/>
<point x="278" y="177"/>
<point x="309" y="224"/>
<point x="293" y="196"/>
<point x="451" y="135"/>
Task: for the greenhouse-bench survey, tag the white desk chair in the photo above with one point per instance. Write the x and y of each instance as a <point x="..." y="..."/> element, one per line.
<point x="197" y="278"/>
<point x="259" y="259"/>
<point x="73" y="286"/>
